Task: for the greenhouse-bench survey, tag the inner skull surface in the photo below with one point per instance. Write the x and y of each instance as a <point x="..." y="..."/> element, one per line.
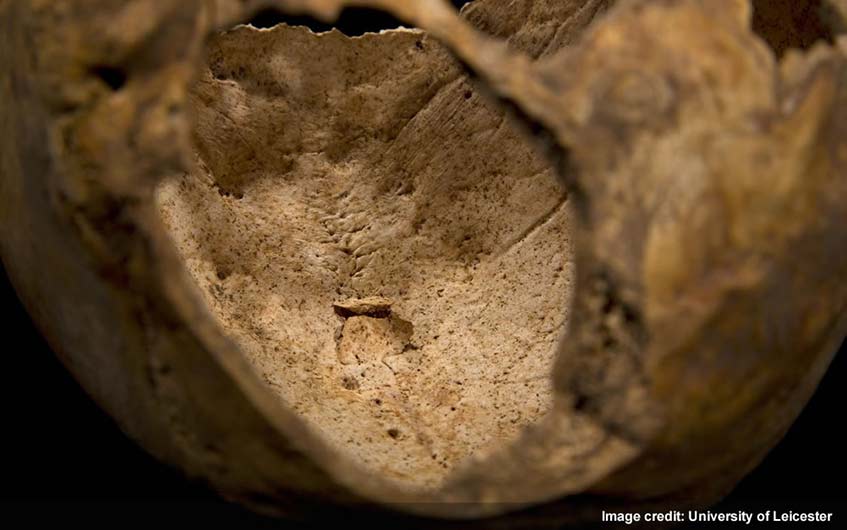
<point x="378" y="238"/>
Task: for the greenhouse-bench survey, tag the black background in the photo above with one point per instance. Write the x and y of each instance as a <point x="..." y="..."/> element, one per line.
<point x="64" y="459"/>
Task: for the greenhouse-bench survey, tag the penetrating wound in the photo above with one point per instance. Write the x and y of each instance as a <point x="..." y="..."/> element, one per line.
<point x="370" y="331"/>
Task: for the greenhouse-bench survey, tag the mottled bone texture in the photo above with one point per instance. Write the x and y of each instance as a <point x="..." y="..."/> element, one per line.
<point x="317" y="271"/>
<point x="349" y="186"/>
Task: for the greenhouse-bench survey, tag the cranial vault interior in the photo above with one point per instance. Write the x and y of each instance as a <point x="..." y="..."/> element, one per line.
<point x="379" y="239"/>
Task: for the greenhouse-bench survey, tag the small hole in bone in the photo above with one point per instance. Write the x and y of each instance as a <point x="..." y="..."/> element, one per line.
<point x="787" y="24"/>
<point x="114" y="77"/>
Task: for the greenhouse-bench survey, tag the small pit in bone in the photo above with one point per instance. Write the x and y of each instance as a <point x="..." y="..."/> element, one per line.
<point x="370" y="332"/>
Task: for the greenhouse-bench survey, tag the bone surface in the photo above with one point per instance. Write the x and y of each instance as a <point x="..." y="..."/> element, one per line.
<point x="388" y="251"/>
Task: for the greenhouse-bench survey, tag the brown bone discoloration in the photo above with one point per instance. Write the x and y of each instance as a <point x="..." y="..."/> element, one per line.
<point x="708" y="180"/>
